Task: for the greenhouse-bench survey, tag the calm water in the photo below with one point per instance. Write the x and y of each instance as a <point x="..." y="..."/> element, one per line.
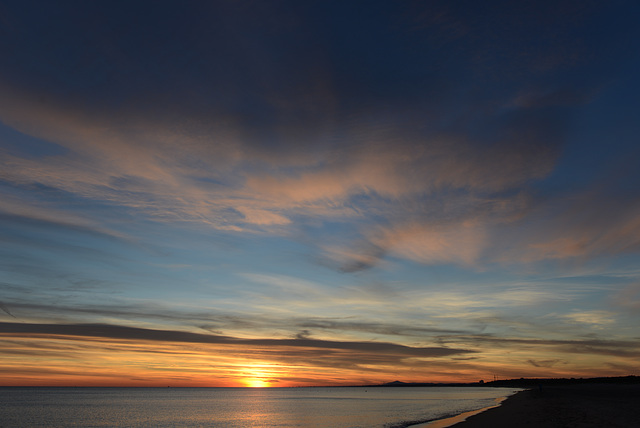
<point x="238" y="407"/>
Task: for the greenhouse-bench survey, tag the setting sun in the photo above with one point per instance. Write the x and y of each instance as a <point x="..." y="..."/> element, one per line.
<point x="258" y="376"/>
<point x="255" y="383"/>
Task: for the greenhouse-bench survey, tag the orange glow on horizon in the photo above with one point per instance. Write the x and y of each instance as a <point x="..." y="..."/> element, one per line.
<point x="259" y="376"/>
<point x="255" y="383"/>
<point x="87" y="361"/>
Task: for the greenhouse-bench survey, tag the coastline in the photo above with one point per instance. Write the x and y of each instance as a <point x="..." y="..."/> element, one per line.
<point x="453" y="420"/>
<point x="586" y="405"/>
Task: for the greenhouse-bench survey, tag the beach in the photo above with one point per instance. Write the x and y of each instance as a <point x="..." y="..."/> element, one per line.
<point x="586" y="405"/>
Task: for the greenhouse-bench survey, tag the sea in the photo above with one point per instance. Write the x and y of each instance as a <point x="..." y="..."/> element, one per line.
<point x="338" y="407"/>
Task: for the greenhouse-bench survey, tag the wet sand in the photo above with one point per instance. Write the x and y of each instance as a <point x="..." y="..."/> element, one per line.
<point x="567" y="406"/>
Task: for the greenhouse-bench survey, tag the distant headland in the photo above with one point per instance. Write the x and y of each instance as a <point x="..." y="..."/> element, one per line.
<point x="519" y="383"/>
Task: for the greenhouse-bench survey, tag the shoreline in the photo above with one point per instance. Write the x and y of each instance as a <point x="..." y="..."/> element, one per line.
<point x="450" y="421"/>
<point x="586" y="405"/>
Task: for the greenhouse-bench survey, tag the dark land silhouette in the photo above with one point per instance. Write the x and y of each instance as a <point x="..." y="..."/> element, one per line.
<point x="524" y="382"/>
<point x="573" y="404"/>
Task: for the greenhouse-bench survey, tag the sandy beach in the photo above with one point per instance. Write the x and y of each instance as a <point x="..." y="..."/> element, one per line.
<point x="587" y="405"/>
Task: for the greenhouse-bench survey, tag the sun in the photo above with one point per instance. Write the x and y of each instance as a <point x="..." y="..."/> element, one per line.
<point x="258" y="376"/>
<point x="255" y="383"/>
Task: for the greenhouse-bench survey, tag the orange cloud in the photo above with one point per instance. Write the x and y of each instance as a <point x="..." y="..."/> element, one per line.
<point x="430" y="201"/>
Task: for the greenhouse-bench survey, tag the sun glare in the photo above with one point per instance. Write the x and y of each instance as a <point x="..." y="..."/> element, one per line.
<point x="257" y="377"/>
<point x="255" y="383"/>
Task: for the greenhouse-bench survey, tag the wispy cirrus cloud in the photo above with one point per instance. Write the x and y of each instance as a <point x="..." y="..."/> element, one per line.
<point x="596" y="318"/>
<point x="220" y="181"/>
<point x="628" y="297"/>
<point x="265" y="153"/>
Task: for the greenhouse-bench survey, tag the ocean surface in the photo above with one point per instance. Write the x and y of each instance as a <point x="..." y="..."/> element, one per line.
<point x="239" y="407"/>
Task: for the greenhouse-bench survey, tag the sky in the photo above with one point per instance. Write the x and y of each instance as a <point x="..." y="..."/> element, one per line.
<point x="286" y="193"/>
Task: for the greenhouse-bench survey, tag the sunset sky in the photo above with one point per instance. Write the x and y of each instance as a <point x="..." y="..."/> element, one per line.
<point x="280" y="193"/>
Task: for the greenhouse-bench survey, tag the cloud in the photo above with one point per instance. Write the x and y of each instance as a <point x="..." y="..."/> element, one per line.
<point x="304" y="334"/>
<point x="594" y="223"/>
<point x="288" y="146"/>
<point x="614" y="348"/>
<point x="597" y="318"/>
<point x="133" y="333"/>
<point x="628" y="297"/>
<point x="452" y="229"/>
<point x="359" y="258"/>
<point x="459" y="243"/>
<point x="221" y="182"/>
<point x="6" y="310"/>
<point x="389" y="328"/>
<point x="546" y="363"/>
<point x="262" y="217"/>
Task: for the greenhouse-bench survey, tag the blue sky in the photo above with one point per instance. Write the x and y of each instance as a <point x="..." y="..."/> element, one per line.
<point x="294" y="193"/>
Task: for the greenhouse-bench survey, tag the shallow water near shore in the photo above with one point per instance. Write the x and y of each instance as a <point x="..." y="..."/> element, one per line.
<point x="338" y="407"/>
